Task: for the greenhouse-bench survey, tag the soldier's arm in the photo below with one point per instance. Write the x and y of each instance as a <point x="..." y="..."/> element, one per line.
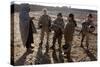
<point x="40" y="22"/>
<point x="81" y="28"/>
<point x="80" y="32"/>
<point x="50" y="21"/>
<point x="92" y="24"/>
<point x="75" y="24"/>
<point x="62" y="24"/>
<point x="54" y="23"/>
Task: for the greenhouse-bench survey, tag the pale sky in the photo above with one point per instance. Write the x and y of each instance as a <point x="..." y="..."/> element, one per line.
<point x="82" y="4"/>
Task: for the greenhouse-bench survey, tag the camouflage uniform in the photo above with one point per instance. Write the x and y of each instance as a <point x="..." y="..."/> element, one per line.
<point x="44" y="23"/>
<point x="69" y="30"/>
<point x="68" y="35"/>
<point x="58" y="27"/>
<point x="85" y="32"/>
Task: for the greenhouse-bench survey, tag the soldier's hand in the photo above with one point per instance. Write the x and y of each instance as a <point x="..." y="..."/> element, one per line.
<point x="49" y="30"/>
<point x="40" y="26"/>
<point x="79" y="33"/>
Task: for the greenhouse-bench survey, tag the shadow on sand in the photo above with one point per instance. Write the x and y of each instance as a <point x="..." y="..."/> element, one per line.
<point x="22" y="59"/>
<point x="89" y="54"/>
<point x="57" y="58"/>
<point x="42" y="58"/>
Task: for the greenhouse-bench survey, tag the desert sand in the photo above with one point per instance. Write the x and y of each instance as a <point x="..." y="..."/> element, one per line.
<point x="78" y="54"/>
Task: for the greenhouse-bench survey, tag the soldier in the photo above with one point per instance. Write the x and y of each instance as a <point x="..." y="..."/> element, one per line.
<point x="87" y="28"/>
<point x="58" y="27"/>
<point x="68" y="34"/>
<point x="44" y="24"/>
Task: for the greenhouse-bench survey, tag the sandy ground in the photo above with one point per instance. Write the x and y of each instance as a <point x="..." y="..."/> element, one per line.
<point x="78" y="54"/>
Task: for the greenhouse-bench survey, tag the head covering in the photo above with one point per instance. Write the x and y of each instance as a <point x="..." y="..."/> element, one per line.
<point x="71" y="15"/>
<point x="44" y="9"/>
<point x="90" y="15"/>
<point x="59" y="14"/>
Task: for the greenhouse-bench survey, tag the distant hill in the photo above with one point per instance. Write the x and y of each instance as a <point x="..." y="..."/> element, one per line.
<point x="50" y="8"/>
<point x="79" y="13"/>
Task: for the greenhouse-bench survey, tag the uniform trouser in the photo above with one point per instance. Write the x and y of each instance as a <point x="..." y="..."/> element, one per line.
<point x="57" y="36"/>
<point x="68" y="53"/>
<point x="68" y="42"/>
<point x="43" y="31"/>
<point x="87" y="39"/>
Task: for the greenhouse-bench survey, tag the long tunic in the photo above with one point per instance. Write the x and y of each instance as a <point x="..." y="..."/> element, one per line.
<point x="30" y="35"/>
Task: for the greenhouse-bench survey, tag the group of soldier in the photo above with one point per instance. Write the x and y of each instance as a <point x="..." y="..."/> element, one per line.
<point x="46" y="25"/>
<point x="58" y="26"/>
